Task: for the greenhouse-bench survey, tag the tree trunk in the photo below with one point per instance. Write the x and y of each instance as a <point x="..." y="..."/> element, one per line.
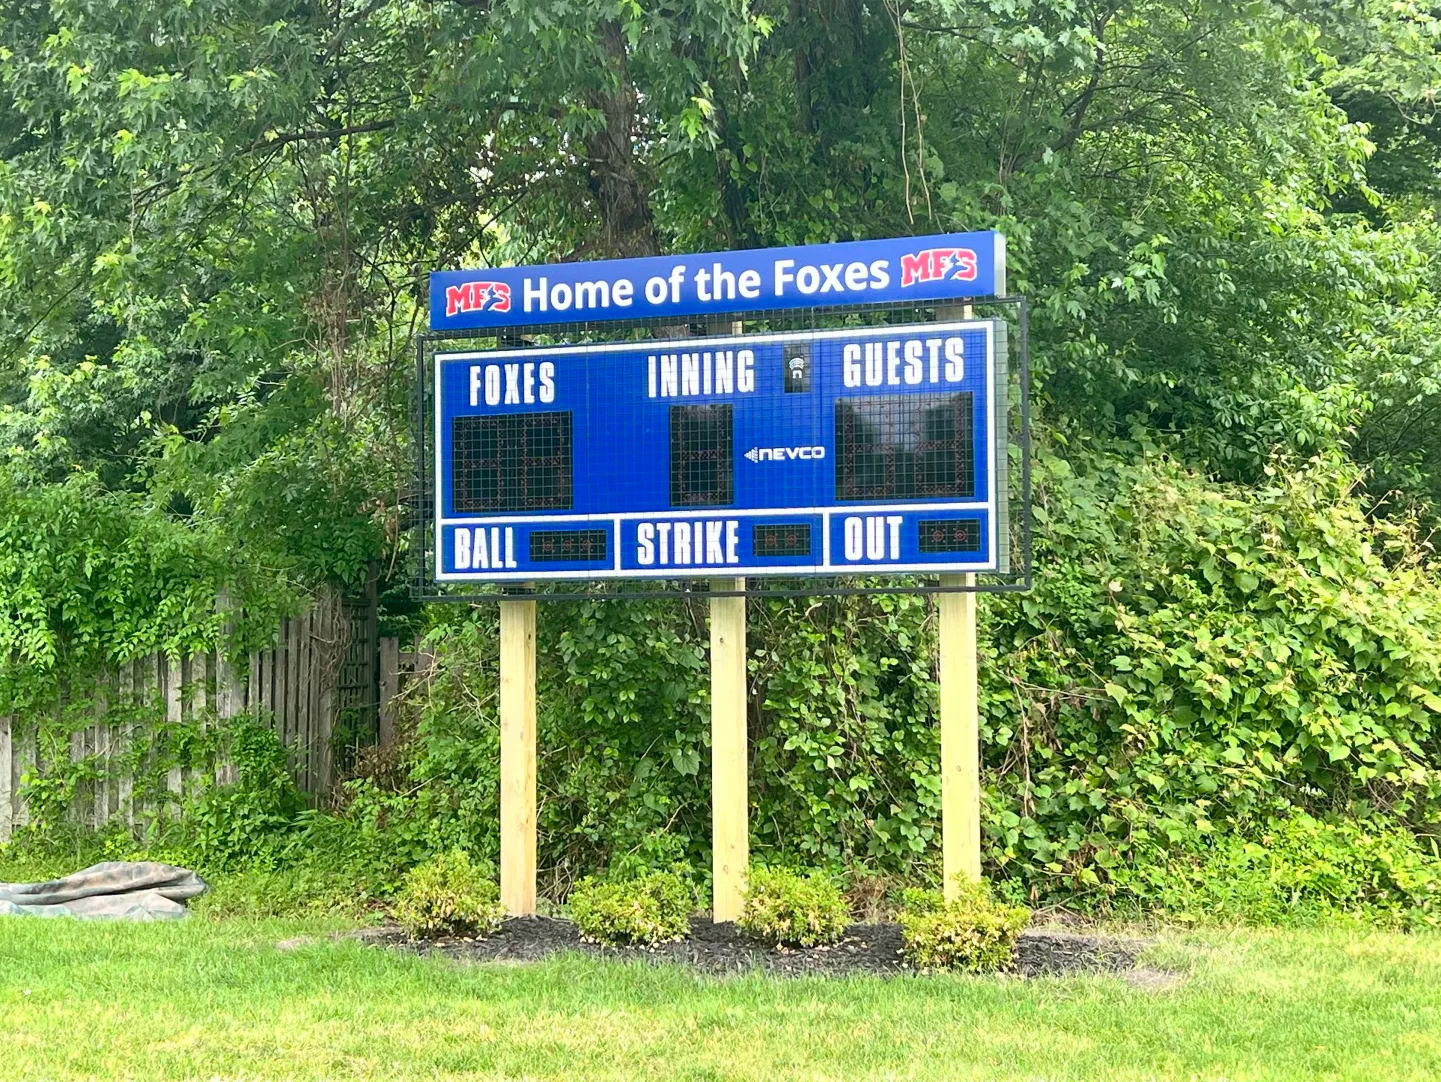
<point x="620" y="196"/>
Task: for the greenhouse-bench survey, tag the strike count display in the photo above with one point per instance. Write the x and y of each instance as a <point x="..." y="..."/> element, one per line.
<point x="810" y="453"/>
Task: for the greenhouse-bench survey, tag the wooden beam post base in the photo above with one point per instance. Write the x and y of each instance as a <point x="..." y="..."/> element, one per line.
<point x="960" y="737"/>
<point x="730" y="827"/>
<point x="517" y="757"/>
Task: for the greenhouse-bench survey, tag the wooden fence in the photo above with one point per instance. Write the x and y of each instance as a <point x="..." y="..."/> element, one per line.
<point x="328" y="685"/>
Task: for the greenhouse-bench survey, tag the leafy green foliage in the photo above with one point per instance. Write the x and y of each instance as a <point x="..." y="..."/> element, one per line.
<point x="448" y="895"/>
<point x="1300" y="870"/>
<point x="652" y="907"/>
<point x="1211" y="656"/>
<point x="254" y="820"/>
<point x="973" y="933"/>
<point x="792" y="909"/>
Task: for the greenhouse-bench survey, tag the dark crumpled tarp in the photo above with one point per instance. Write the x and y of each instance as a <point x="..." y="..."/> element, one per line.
<point x="115" y="890"/>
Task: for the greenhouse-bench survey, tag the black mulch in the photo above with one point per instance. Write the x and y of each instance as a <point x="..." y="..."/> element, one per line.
<point x="722" y="948"/>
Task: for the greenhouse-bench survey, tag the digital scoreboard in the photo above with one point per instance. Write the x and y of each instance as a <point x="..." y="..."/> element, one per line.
<point x="823" y="452"/>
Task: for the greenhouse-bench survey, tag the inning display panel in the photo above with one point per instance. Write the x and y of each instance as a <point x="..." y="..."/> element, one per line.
<point x="824" y="452"/>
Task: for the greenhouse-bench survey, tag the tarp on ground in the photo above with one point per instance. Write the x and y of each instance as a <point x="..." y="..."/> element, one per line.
<point x="115" y="890"/>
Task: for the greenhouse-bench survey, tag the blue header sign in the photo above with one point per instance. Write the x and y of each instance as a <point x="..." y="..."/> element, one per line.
<point x="899" y="271"/>
<point x="859" y="451"/>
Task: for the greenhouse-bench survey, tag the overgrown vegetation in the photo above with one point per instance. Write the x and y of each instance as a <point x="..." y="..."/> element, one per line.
<point x="214" y="226"/>
<point x="794" y="909"/>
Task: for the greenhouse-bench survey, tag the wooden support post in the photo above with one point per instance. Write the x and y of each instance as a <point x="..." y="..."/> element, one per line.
<point x="517" y="757"/>
<point x="730" y="827"/>
<point x="960" y="737"/>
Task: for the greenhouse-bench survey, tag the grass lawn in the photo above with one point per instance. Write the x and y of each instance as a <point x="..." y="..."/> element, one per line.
<point x="215" y="999"/>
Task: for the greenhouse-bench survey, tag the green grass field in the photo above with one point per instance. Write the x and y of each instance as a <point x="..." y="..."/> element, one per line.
<point x="216" y="999"/>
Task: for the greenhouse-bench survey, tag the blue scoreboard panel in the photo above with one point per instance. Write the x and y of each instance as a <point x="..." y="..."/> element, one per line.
<point x="858" y="451"/>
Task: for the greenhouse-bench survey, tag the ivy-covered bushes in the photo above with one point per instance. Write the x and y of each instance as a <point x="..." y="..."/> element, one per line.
<point x="87" y="577"/>
<point x="90" y="577"/>
<point x="1198" y="660"/>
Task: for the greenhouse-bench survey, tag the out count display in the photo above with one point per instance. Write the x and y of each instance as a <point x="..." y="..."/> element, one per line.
<point x="820" y="452"/>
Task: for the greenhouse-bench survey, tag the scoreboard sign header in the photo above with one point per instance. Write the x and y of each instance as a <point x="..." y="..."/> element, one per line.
<point x="899" y="271"/>
<point x="866" y="451"/>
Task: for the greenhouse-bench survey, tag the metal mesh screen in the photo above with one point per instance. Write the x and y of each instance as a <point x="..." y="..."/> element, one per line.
<point x="904" y="447"/>
<point x="513" y="462"/>
<point x="702" y="466"/>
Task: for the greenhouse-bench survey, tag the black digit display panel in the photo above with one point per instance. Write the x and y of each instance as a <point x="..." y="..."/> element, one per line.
<point x="949" y="535"/>
<point x="513" y="462"/>
<point x="568" y="545"/>
<point x="903" y="447"/>
<point x="702" y="463"/>
<point x="781" y="539"/>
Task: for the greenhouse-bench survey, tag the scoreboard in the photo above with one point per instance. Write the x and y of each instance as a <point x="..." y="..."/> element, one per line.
<point x="860" y="451"/>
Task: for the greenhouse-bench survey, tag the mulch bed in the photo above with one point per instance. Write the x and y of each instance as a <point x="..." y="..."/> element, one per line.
<point x="722" y="948"/>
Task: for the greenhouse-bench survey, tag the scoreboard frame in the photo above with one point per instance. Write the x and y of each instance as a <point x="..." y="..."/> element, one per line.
<point x="1003" y="508"/>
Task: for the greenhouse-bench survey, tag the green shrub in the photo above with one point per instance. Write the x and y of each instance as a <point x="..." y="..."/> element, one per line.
<point x="448" y="894"/>
<point x="975" y="933"/>
<point x="794" y="910"/>
<point x="652" y="907"/>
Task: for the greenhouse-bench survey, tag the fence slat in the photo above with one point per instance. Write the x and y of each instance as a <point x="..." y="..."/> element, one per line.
<point x="303" y="713"/>
<point x="7" y="780"/>
<point x="297" y="689"/>
<point x="79" y="750"/>
<point x="252" y="684"/>
<point x="199" y="700"/>
<point x="389" y="689"/>
<point x="174" y="681"/>
<point x="230" y="686"/>
<point x="229" y="702"/>
<point x="292" y="699"/>
<point x="100" y="744"/>
<point x="329" y="660"/>
<point x="125" y="783"/>
<point x="23" y="743"/>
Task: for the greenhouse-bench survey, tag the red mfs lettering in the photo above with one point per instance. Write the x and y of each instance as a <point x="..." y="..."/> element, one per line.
<point x="477" y="297"/>
<point x="934" y="264"/>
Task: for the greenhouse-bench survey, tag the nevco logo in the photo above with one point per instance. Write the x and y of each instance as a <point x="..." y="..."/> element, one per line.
<point x="934" y="264"/>
<point x="477" y="297"/>
<point x="782" y="454"/>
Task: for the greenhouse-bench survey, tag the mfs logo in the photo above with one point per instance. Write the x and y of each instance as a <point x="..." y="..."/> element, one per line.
<point x="935" y="264"/>
<point x="477" y="297"/>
